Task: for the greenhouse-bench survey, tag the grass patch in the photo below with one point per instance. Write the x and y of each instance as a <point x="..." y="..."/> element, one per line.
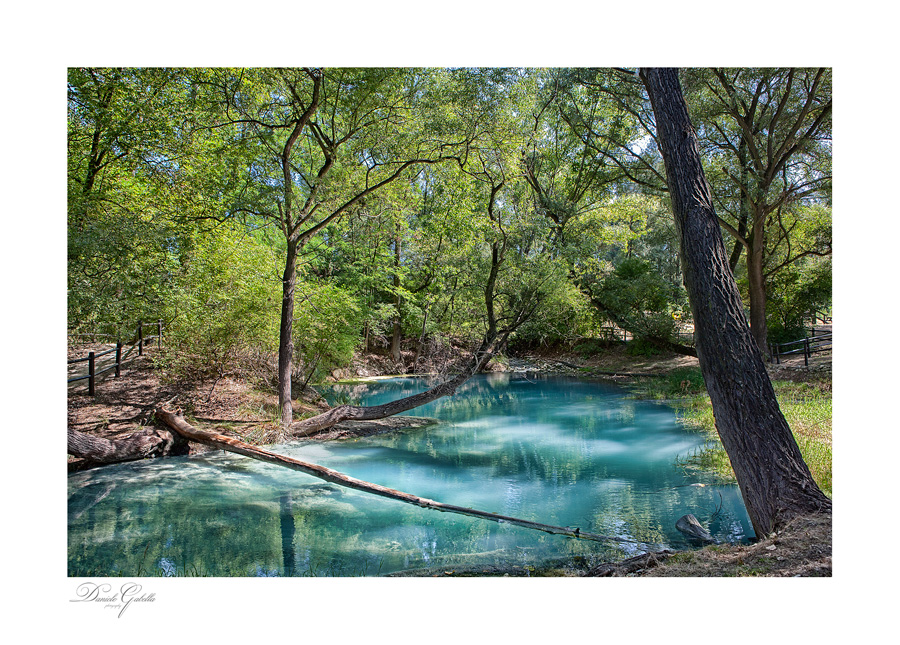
<point x="681" y="383"/>
<point x="806" y="407"/>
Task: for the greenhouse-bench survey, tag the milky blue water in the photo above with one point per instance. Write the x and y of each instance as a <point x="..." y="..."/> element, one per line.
<point x="552" y="450"/>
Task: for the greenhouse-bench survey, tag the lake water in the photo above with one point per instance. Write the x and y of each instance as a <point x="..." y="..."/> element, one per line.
<point x="552" y="450"/>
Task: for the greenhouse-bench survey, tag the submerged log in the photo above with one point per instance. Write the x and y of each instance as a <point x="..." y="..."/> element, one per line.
<point x="343" y="413"/>
<point x="355" y="429"/>
<point x="493" y="343"/>
<point x="690" y="526"/>
<point x="631" y="565"/>
<point x="189" y="432"/>
<point x="150" y="442"/>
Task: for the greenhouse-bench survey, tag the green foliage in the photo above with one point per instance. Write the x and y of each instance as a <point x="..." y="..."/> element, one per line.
<point x="794" y="294"/>
<point x="684" y="382"/>
<point x="227" y="298"/>
<point x="641" y="347"/>
<point x="637" y="298"/>
<point x="587" y="347"/>
<point x="565" y="316"/>
<point x="119" y="248"/>
<point x="328" y="325"/>
<point x="177" y="196"/>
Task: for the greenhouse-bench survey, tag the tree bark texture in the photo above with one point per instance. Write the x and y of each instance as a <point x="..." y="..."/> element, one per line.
<point x="189" y="432"/>
<point x="141" y="445"/>
<point x="775" y="482"/>
<point x="286" y="335"/>
<point x="757" y="286"/>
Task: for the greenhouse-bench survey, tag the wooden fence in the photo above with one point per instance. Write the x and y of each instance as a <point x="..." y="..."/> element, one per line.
<point x="617" y="334"/>
<point x="138" y="343"/>
<point x="816" y="342"/>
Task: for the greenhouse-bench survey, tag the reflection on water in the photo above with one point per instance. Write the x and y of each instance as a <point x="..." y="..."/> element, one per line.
<point x="556" y="451"/>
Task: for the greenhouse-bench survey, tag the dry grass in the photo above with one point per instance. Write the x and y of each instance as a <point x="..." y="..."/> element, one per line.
<point x="802" y="548"/>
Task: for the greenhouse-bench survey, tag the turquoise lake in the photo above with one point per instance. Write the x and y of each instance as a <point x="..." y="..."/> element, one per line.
<point x="558" y="451"/>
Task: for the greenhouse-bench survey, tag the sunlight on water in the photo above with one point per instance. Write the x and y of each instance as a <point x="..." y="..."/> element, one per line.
<point x="556" y="451"/>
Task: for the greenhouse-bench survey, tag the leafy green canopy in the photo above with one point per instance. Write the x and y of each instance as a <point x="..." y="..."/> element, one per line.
<point x="512" y="192"/>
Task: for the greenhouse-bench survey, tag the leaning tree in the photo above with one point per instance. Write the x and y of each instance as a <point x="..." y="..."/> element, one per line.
<point x="774" y="480"/>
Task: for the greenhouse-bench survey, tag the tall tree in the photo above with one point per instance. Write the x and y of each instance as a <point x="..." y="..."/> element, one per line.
<point x="767" y="134"/>
<point x="775" y="482"/>
<point x="328" y="139"/>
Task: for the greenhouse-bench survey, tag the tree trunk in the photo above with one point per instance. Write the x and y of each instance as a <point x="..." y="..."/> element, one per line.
<point x="323" y="421"/>
<point x="775" y="482"/>
<point x="421" y="343"/>
<point x="744" y="215"/>
<point x="141" y="445"/>
<point x="396" y="337"/>
<point x="286" y="338"/>
<point x="667" y="345"/>
<point x="222" y="442"/>
<point x="757" y="287"/>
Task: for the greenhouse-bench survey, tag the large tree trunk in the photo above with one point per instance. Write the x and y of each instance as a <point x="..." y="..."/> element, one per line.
<point x="141" y="445"/>
<point x="775" y="482"/>
<point x="286" y="338"/>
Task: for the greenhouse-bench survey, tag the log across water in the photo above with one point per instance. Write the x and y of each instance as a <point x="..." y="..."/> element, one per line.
<point x="189" y="432"/>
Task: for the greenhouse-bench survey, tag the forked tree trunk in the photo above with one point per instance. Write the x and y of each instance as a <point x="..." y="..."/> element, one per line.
<point x="775" y="482"/>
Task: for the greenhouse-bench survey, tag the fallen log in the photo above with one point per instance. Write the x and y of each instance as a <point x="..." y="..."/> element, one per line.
<point x="631" y="565"/>
<point x="492" y="344"/>
<point x="691" y="527"/>
<point x="356" y="429"/>
<point x="342" y="413"/>
<point x="150" y="442"/>
<point x="189" y="432"/>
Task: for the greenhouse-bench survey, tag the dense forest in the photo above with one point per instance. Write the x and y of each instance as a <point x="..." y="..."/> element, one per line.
<point x="312" y="213"/>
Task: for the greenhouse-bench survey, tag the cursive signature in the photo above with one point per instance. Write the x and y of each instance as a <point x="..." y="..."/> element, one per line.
<point x="128" y="593"/>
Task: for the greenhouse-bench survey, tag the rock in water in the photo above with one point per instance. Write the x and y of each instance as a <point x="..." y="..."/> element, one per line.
<point x="689" y="525"/>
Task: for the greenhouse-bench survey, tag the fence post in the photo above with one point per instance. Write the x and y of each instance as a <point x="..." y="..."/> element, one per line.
<point x="806" y="351"/>
<point x="118" y="359"/>
<point x="777" y="353"/>
<point x="91" y="373"/>
<point x="159" y="334"/>
<point x="140" y="338"/>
